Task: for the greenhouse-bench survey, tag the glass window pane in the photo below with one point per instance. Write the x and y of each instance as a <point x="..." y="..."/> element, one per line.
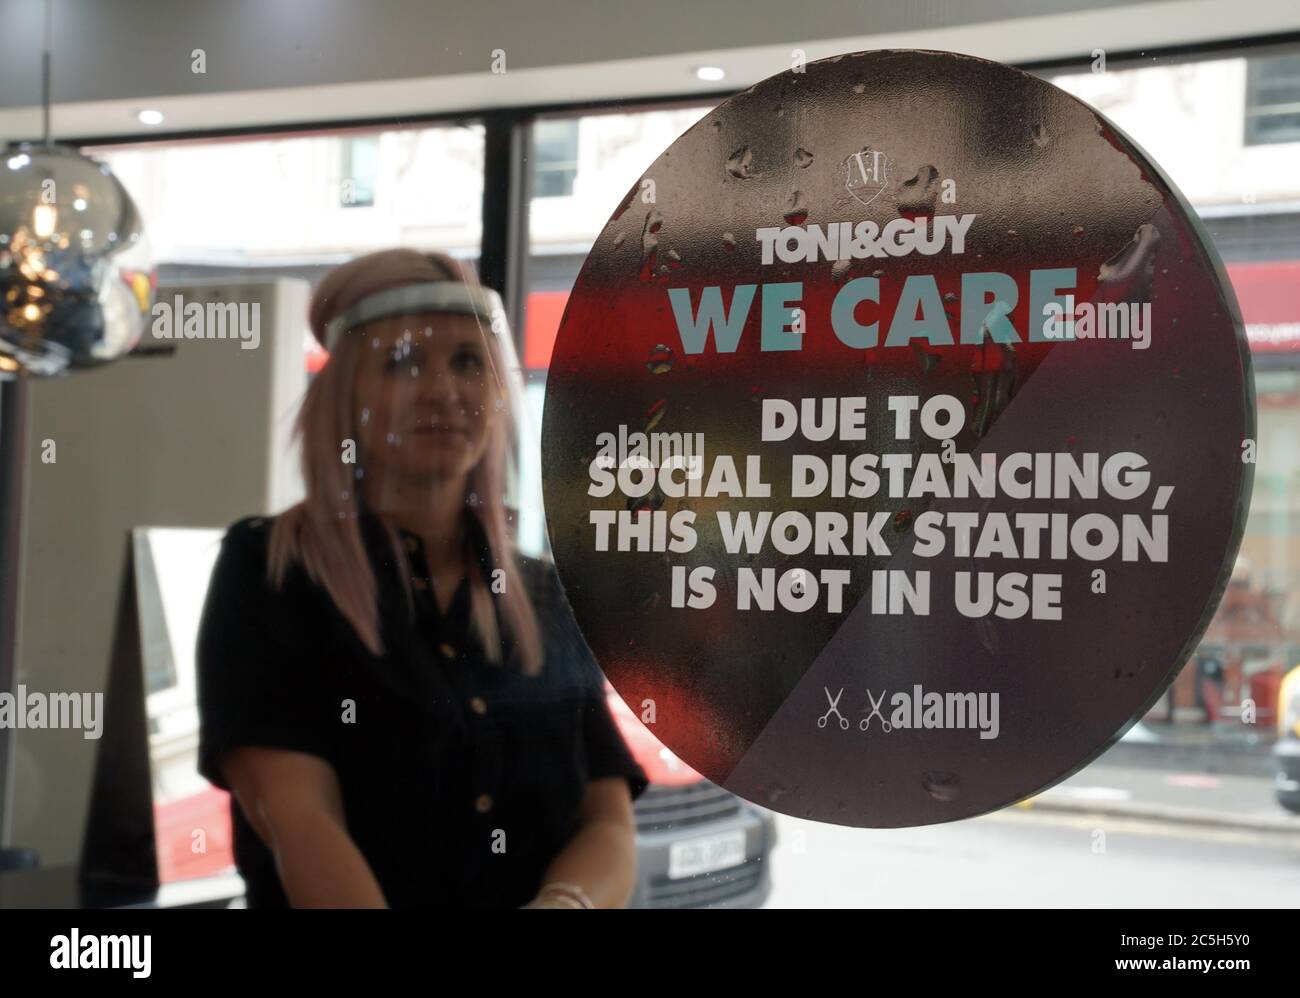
<point x="287" y="205"/>
<point x="1218" y="127"/>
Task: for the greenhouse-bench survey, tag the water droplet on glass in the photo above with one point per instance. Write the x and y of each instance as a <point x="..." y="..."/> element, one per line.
<point x="1039" y="137"/>
<point x="950" y="296"/>
<point x="740" y="162"/>
<point x="941" y="786"/>
<point x="796" y="212"/>
<point x="988" y="634"/>
<point x="859" y="88"/>
<point x="654" y="414"/>
<point x="365" y="416"/>
<point x="1077" y="230"/>
<point x="374" y="344"/>
<point x="877" y="273"/>
<point x="995" y="371"/>
<point x="627" y="201"/>
<point x="728" y="241"/>
<point x="839" y="268"/>
<point x="928" y="361"/>
<point x="500" y="404"/>
<point x="618" y="239"/>
<point x="918" y="195"/>
<point x="802" y="158"/>
<point x="902" y="518"/>
<point x="651" y="501"/>
<point x="661" y="359"/>
<point x="1128" y="273"/>
<point x="650" y="243"/>
<point x="870" y="358"/>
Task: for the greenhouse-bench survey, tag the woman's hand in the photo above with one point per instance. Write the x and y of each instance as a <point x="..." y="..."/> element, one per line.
<point x="599" y="862"/>
<point x="550" y="902"/>
<point x="560" y="895"/>
<point x="293" y="802"/>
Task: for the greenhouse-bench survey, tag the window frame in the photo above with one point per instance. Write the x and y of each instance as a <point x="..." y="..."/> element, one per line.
<point x="1256" y="114"/>
<point x="505" y="242"/>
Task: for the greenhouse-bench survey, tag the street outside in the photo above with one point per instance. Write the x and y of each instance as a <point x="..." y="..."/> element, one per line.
<point x="1114" y="836"/>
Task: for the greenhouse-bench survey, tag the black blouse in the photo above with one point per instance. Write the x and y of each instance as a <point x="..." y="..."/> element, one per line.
<point x="461" y="780"/>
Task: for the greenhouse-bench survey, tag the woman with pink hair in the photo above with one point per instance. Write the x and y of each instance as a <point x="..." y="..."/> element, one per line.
<point x="399" y="701"/>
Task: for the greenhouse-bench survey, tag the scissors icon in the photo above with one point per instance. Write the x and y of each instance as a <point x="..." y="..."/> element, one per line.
<point x="834" y="709"/>
<point x="865" y="723"/>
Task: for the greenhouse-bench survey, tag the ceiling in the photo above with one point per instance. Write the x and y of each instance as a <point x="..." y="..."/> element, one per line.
<point x="271" y="62"/>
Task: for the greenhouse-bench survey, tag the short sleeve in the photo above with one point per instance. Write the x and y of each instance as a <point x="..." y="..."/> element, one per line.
<point x="606" y="749"/>
<point x="255" y="676"/>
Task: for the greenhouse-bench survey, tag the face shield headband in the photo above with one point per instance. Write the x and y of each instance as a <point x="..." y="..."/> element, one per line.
<point x="484" y="303"/>
<point x="430" y="296"/>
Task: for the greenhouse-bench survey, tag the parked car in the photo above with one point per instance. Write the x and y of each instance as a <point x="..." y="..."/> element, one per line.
<point x="698" y="845"/>
<point x="1287" y="748"/>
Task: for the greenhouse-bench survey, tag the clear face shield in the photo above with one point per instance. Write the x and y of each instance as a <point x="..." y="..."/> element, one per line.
<point x="439" y="406"/>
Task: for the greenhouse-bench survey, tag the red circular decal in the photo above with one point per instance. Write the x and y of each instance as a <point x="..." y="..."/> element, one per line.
<point x="898" y="439"/>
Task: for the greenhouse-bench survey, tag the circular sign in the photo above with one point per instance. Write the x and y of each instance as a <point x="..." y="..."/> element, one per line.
<point x="898" y="439"/>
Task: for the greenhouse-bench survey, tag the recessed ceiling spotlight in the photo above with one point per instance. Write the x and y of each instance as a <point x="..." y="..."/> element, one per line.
<point x="150" y="117"/>
<point x="710" y="73"/>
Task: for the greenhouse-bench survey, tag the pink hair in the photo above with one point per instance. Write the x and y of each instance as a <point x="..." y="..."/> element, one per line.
<point x="322" y="532"/>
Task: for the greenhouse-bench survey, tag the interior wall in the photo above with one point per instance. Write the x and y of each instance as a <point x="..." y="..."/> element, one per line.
<point x="195" y="439"/>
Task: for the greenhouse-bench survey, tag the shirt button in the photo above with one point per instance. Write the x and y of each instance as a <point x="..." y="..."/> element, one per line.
<point x="483" y="804"/>
<point x="478" y="705"/>
<point x="447" y="650"/>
